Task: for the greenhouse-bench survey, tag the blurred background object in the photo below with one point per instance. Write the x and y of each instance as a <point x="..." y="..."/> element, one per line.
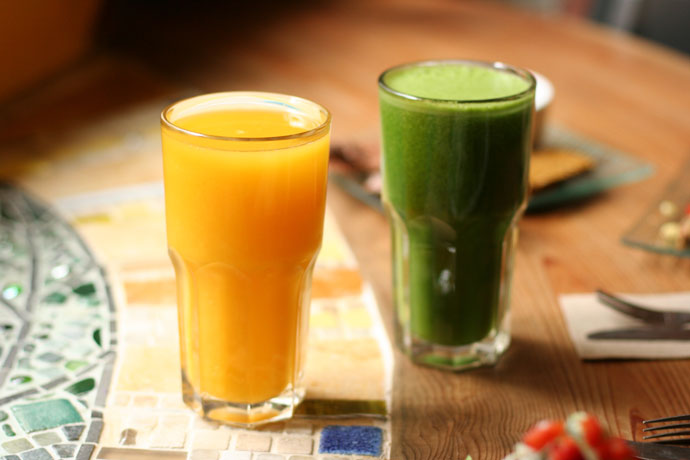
<point x="39" y="38"/>
<point x="663" y="21"/>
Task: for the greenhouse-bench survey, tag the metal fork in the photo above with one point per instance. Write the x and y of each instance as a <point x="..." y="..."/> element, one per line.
<point x="677" y="432"/>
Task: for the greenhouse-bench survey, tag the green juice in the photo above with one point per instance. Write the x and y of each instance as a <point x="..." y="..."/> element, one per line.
<point x="456" y="144"/>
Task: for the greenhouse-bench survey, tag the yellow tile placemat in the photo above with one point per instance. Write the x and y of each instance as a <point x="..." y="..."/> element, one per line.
<point x="349" y="362"/>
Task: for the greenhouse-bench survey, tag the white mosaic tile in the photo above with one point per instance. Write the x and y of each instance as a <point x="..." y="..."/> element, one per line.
<point x="294" y="445"/>
<point x="253" y="442"/>
<point x="212" y="439"/>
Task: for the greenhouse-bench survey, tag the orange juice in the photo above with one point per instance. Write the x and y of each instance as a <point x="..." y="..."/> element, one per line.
<point x="245" y="188"/>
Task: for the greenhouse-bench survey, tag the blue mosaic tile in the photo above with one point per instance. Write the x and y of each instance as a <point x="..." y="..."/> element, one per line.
<point x="46" y="414"/>
<point x="37" y="454"/>
<point x="351" y="440"/>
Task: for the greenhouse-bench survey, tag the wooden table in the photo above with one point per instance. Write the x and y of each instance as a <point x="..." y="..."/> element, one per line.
<point x="614" y="88"/>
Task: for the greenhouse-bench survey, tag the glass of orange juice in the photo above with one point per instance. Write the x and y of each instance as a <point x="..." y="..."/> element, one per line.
<point x="245" y="190"/>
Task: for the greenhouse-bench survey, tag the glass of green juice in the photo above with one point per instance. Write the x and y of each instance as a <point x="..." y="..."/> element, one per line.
<point x="456" y="138"/>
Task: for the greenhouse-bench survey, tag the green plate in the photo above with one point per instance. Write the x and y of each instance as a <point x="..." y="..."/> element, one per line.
<point x="613" y="168"/>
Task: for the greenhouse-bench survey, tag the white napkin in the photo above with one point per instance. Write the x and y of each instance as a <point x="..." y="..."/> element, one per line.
<point x="584" y="314"/>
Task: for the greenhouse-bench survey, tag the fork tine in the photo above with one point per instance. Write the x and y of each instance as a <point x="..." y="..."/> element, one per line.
<point x="676" y="418"/>
<point x="667" y="427"/>
<point x="667" y="435"/>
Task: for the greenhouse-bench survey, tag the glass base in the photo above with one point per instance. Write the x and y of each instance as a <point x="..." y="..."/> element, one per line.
<point x="464" y="357"/>
<point x="244" y="415"/>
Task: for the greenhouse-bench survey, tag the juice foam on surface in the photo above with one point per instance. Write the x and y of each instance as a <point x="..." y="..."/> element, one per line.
<point x="455" y="81"/>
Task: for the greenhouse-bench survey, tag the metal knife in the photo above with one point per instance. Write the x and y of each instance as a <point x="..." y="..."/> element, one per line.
<point x="647" y="333"/>
<point x="653" y="451"/>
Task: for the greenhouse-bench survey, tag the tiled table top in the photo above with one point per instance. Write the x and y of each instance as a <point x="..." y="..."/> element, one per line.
<point x="89" y="354"/>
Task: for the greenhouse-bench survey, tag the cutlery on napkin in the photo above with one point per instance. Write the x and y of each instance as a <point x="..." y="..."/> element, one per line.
<point x="629" y="333"/>
<point x="659" y="324"/>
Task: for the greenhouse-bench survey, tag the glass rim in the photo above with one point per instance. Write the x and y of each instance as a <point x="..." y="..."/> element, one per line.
<point x="498" y="65"/>
<point x="260" y="96"/>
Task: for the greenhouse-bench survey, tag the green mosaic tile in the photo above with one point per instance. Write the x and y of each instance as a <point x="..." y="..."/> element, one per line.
<point x="11" y="457"/>
<point x="3" y="415"/>
<point x="74" y="364"/>
<point x="9" y="432"/>
<point x="97" y="336"/>
<point x="55" y="298"/>
<point x="46" y="414"/>
<point x="16" y="445"/>
<point x="82" y="386"/>
<point x="46" y="439"/>
<point x="85" y="290"/>
<point x="19" y="379"/>
<point x="49" y="357"/>
<point x="11" y="291"/>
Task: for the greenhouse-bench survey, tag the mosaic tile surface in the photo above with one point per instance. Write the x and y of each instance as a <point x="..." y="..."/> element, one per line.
<point x="58" y="332"/>
<point x="110" y="376"/>
<point x="145" y="413"/>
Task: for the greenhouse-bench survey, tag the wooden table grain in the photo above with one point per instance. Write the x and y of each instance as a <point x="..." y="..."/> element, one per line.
<point x="614" y="88"/>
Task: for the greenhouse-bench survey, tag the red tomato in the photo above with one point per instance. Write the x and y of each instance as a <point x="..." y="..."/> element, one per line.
<point x="592" y="431"/>
<point x="542" y="433"/>
<point x="565" y="449"/>
<point x="617" y="449"/>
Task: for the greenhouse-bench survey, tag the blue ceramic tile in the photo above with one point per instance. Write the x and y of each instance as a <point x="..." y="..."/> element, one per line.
<point x="351" y="440"/>
<point x="46" y="414"/>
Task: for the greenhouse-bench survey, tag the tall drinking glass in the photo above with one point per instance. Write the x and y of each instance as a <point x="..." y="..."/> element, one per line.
<point x="245" y="188"/>
<point x="456" y="145"/>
